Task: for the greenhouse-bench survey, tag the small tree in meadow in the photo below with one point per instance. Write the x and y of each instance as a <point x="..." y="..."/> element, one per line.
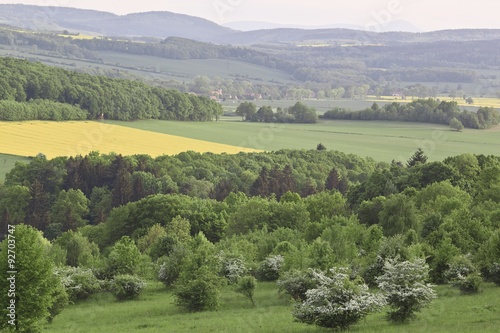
<point x="338" y="301"/>
<point x="404" y="285"/>
<point x="197" y="288"/>
<point x="456" y="125"/>
<point x="246" y="287"/>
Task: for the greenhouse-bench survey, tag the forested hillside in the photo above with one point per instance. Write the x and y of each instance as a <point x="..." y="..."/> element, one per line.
<point x="27" y="88"/>
<point x="270" y="216"/>
<point x="336" y="69"/>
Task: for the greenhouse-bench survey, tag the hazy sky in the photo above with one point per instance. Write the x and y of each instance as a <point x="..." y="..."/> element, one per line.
<point x="424" y="14"/>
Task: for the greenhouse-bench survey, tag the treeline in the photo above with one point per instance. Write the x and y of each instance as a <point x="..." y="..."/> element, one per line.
<point x="112" y="180"/>
<point x="118" y="99"/>
<point x="41" y="110"/>
<point x="424" y="111"/>
<point x="298" y="113"/>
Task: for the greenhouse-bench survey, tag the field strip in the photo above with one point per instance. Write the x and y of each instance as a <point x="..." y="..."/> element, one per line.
<point x="79" y="138"/>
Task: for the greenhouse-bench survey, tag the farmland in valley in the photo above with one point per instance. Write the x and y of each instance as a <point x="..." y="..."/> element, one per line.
<point x="74" y="138"/>
<point x="383" y="141"/>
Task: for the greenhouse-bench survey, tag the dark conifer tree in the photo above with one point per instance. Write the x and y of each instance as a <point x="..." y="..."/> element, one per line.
<point x="333" y="180"/>
<point x="38" y="207"/>
<point x="261" y="185"/>
<point x="417" y="158"/>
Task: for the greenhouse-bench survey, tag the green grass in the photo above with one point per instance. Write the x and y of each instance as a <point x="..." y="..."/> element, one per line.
<point x="383" y="141"/>
<point x="155" y="312"/>
<point x="7" y="162"/>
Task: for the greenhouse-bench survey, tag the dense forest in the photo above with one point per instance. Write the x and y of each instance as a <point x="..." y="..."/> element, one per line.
<point x="31" y="91"/>
<point x="423" y="111"/>
<point x="269" y="216"/>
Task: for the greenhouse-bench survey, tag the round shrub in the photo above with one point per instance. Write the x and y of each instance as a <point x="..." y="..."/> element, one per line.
<point x="338" y="301"/>
<point x="198" y="295"/>
<point x="405" y="288"/>
<point x="270" y="268"/>
<point x="296" y="284"/>
<point x="127" y="287"/>
<point x="233" y="269"/>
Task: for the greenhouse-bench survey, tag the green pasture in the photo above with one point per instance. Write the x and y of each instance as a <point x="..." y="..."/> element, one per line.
<point x="383" y="141"/>
<point x="7" y="162"/>
<point x="155" y="312"/>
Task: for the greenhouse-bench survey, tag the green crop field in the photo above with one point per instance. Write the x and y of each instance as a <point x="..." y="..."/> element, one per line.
<point x="383" y="141"/>
<point x="7" y="162"/>
<point x="155" y="311"/>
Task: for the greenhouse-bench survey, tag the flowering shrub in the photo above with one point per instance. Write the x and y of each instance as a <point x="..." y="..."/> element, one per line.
<point x="79" y="283"/>
<point x="403" y="284"/>
<point x="464" y="275"/>
<point x="126" y="287"/>
<point x="233" y="269"/>
<point x="337" y="302"/>
<point x="270" y="268"/>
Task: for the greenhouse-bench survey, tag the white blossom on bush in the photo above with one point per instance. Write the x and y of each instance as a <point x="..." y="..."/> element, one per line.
<point x="79" y="282"/>
<point x="404" y="285"/>
<point x="337" y="302"/>
<point x="233" y="269"/>
<point x="270" y="268"/>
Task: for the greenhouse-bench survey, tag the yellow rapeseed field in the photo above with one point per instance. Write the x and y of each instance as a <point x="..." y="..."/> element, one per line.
<point x="79" y="138"/>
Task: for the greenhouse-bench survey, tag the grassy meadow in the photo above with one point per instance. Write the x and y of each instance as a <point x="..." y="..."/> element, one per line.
<point x="7" y="162"/>
<point x="383" y="141"/>
<point x="155" y="311"/>
<point x="79" y="138"/>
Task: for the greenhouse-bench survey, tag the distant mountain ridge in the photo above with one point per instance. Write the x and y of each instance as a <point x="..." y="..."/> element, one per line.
<point x="148" y="24"/>
<point x="166" y="24"/>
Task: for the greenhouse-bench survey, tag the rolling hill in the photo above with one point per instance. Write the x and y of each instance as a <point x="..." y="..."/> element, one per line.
<point x="167" y="24"/>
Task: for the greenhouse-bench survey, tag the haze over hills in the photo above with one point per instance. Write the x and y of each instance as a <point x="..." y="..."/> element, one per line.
<point x="167" y="24"/>
<point x="396" y="25"/>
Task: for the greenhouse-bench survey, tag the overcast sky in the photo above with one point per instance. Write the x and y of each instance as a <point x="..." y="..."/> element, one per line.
<point x="425" y="14"/>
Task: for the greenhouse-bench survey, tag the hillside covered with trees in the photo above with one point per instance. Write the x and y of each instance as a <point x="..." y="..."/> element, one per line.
<point x="269" y="216"/>
<point x="30" y="91"/>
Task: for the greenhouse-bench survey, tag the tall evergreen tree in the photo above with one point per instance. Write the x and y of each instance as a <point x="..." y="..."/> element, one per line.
<point x="417" y="158"/>
<point x="38" y="206"/>
<point x="261" y="185"/>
